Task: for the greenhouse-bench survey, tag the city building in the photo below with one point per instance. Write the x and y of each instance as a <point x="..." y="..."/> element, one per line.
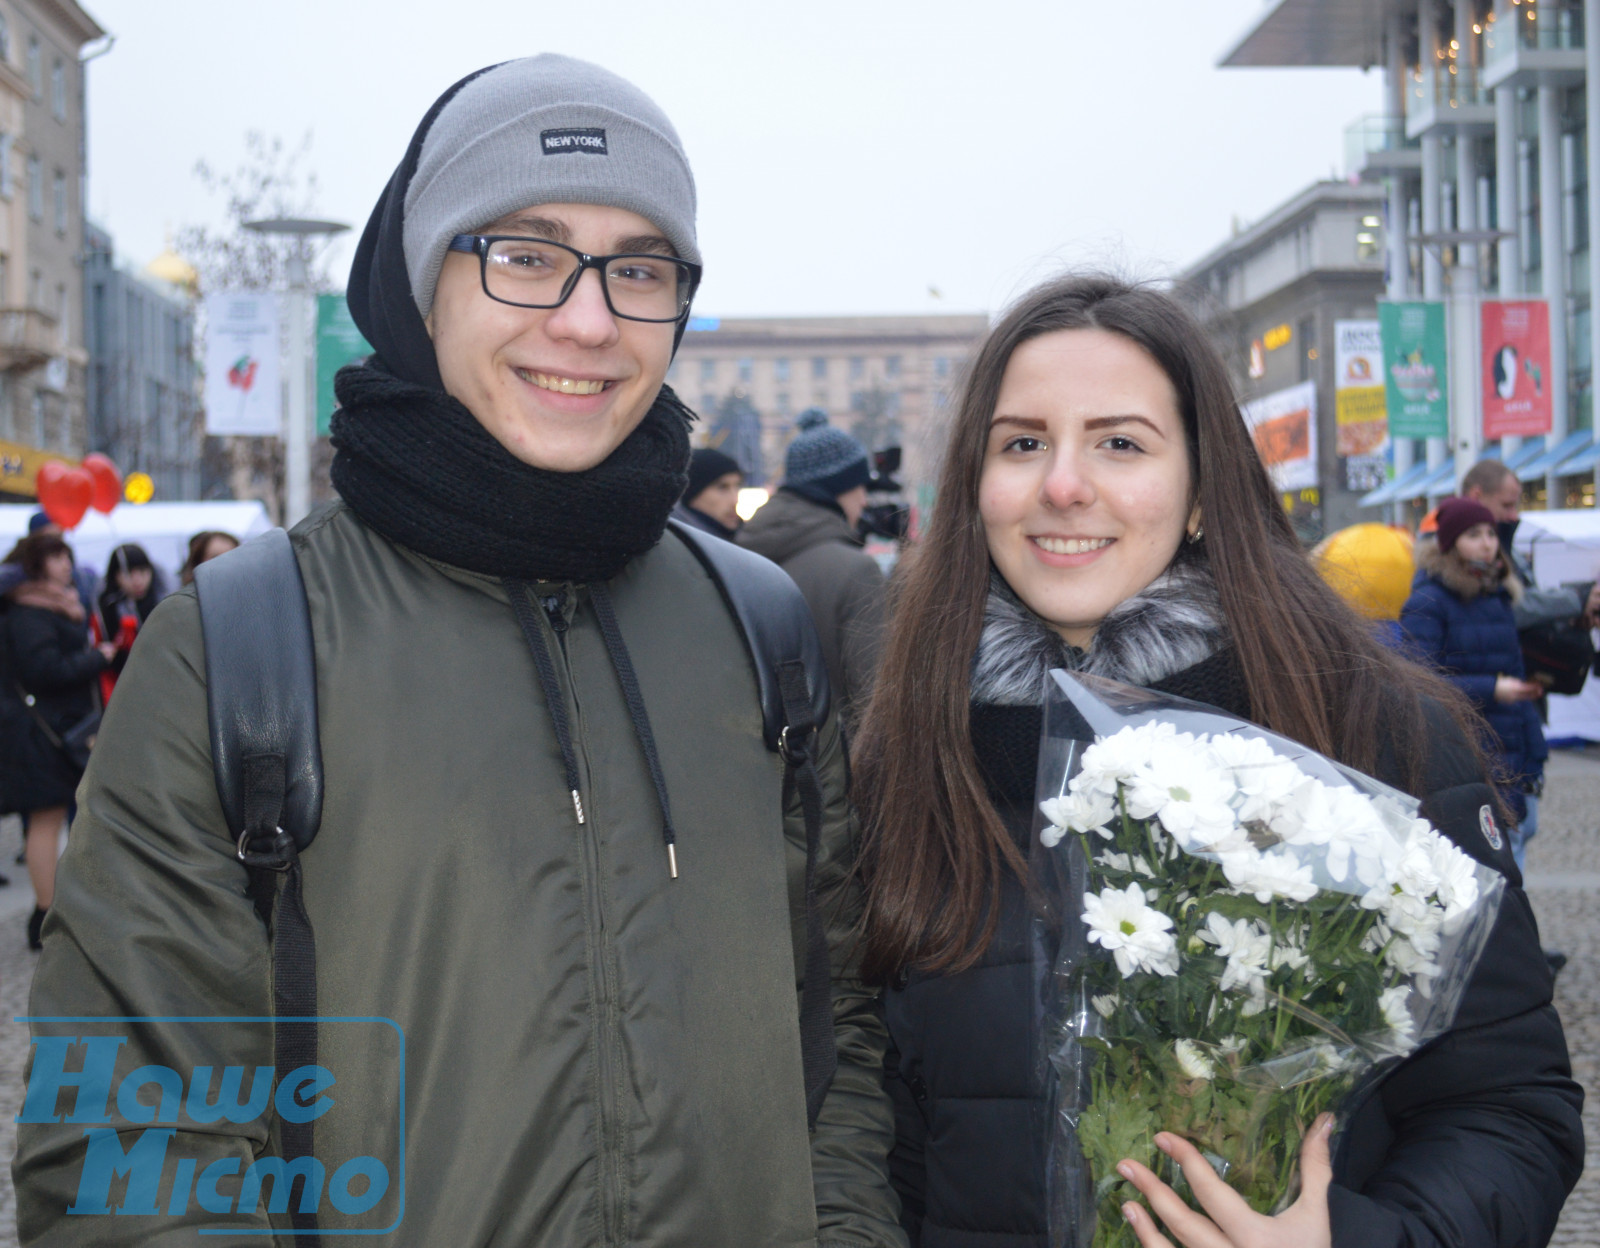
<point x="1482" y="152"/>
<point x="1271" y="296"/>
<point x="43" y="172"/>
<point x="886" y="379"/>
<point x="143" y="405"/>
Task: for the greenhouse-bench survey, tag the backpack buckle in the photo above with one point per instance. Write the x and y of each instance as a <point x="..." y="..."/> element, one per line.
<point x="800" y="752"/>
<point x="279" y="857"/>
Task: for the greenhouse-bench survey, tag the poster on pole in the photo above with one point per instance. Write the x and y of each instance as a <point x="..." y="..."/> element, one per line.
<point x="339" y="342"/>
<point x="242" y="365"/>
<point x="1360" y="408"/>
<point x="1284" y="426"/>
<point x="1516" y="368"/>
<point x="1414" y="369"/>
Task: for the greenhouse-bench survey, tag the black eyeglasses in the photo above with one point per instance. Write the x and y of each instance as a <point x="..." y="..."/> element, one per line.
<point x="536" y="273"/>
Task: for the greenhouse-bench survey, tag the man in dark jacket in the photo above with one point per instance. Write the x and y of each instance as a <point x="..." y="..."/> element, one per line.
<point x="558" y="895"/>
<point x="809" y="530"/>
<point x="711" y="503"/>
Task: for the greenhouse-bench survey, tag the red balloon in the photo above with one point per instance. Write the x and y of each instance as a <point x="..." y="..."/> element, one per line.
<point x="64" y="492"/>
<point x="107" y="481"/>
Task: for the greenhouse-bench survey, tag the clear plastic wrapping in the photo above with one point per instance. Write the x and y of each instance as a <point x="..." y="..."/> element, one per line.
<point x="1235" y="933"/>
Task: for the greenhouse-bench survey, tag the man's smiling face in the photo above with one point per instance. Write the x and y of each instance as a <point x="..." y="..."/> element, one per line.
<point x="560" y="388"/>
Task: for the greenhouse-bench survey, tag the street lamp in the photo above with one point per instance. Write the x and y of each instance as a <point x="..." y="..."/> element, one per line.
<point x="297" y="432"/>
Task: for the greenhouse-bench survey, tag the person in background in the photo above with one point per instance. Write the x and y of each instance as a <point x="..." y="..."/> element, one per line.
<point x="51" y="662"/>
<point x="711" y="503"/>
<point x="204" y="546"/>
<point x="809" y="530"/>
<point x="1372" y="567"/>
<point x="133" y="587"/>
<point x="1460" y="619"/>
<point x="84" y="578"/>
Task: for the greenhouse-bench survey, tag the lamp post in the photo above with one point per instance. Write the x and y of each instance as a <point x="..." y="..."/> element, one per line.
<point x="297" y="423"/>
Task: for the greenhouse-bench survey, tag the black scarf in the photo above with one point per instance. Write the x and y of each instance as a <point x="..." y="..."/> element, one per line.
<point x="416" y="466"/>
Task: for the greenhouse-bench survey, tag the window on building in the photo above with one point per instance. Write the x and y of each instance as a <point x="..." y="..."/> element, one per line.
<point x="780" y="370"/>
<point x="819" y="368"/>
<point x="35" y="67"/>
<point x="5" y="38"/>
<point x="35" y="189"/>
<point x="5" y="280"/>
<point x="891" y="366"/>
<point x="858" y="368"/>
<point x="7" y="180"/>
<point x="747" y="371"/>
<point x="36" y="290"/>
<point x="37" y="409"/>
<point x="58" y="191"/>
<point x="1369" y="238"/>
<point x="63" y="326"/>
<point x="58" y="89"/>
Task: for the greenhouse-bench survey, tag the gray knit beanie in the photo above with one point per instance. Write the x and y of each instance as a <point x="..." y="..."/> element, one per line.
<point x="824" y="462"/>
<point x="543" y="130"/>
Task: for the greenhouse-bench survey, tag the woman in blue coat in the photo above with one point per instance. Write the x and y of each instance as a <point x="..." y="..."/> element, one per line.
<point x="1459" y="619"/>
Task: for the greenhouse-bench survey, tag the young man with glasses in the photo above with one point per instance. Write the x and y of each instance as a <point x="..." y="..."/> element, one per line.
<point x="556" y="854"/>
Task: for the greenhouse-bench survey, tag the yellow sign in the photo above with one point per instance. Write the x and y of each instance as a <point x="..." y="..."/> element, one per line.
<point x="1277" y="336"/>
<point x="138" y="488"/>
<point x="19" y="464"/>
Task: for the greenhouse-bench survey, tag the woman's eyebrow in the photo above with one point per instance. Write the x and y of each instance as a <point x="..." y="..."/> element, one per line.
<point x="1112" y="422"/>
<point x="1022" y="422"/>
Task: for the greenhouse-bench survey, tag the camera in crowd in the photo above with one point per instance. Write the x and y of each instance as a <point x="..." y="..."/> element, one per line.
<point x="891" y="519"/>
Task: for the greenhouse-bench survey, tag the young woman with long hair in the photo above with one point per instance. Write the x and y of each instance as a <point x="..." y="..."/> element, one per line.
<point x="1102" y="508"/>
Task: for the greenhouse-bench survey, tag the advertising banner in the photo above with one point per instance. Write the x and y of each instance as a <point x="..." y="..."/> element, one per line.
<point x="242" y="366"/>
<point x="1516" y="367"/>
<point x="1284" y="426"/>
<point x="1414" y="369"/>
<point x="339" y="342"/>
<point x="1360" y="404"/>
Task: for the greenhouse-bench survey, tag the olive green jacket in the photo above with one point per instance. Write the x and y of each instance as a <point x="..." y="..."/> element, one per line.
<point x="587" y="1051"/>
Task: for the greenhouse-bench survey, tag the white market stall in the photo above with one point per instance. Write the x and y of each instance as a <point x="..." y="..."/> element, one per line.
<point x="1564" y="547"/>
<point x="163" y="529"/>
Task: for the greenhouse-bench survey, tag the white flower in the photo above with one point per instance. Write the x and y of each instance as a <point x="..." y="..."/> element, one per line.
<point x="1184" y="787"/>
<point x="1458" y="876"/>
<point x="1139" y="937"/>
<point x="1414" y="873"/>
<point x="1123" y="862"/>
<point x="1394" y="1002"/>
<point x="1192" y="1060"/>
<point x="1105" y="1006"/>
<point x="1407" y="959"/>
<point x="1245" y="947"/>
<point x="1332" y="815"/>
<point x="1081" y="810"/>
<point x="1114" y="760"/>
<point x="1291" y="953"/>
<point x="1264" y="777"/>
<point x="1230" y="1046"/>
<point x="1269" y="874"/>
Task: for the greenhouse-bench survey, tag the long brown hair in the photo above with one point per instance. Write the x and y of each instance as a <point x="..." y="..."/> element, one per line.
<point x="936" y="850"/>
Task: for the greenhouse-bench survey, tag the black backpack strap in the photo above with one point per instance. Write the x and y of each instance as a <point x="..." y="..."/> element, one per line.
<point x="261" y="691"/>
<point x="784" y="649"/>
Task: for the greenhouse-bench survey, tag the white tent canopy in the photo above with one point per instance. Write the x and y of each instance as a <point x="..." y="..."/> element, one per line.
<point x="1564" y="547"/>
<point x="163" y="529"/>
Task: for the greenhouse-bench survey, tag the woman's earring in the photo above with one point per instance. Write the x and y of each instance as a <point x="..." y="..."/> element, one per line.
<point x="1196" y="534"/>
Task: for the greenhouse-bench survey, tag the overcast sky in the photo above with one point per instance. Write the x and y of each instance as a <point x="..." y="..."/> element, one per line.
<point x="850" y="154"/>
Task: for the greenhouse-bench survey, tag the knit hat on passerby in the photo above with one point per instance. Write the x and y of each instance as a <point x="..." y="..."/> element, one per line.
<point x="824" y="462"/>
<point x="706" y="465"/>
<point x="1456" y="516"/>
<point x="543" y="130"/>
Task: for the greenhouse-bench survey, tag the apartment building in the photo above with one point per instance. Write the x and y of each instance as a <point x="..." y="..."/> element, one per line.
<point x="1482" y="153"/>
<point x="886" y="379"/>
<point x="43" y="362"/>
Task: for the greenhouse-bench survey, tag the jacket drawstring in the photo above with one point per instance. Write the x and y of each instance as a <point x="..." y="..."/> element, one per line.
<point x="522" y="598"/>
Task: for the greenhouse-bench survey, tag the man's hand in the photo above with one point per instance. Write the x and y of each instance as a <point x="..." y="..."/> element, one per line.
<point x="1511" y="689"/>
<point x="1232" y="1224"/>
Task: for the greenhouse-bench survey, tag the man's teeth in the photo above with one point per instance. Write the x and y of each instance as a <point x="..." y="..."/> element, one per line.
<point x="564" y="385"/>
<point x="1073" y="546"/>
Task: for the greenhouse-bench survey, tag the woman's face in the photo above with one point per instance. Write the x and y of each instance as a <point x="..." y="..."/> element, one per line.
<point x="1480" y="543"/>
<point x="58" y="568"/>
<point x="1085" y="492"/>
<point x="135" y="583"/>
<point x="216" y="546"/>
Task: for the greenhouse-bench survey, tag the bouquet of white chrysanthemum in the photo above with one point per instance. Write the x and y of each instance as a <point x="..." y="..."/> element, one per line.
<point x="1239" y="932"/>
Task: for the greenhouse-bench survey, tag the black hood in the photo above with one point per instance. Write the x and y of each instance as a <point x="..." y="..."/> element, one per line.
<point x="1506" y="530"/>
<point x="380" y="298"/>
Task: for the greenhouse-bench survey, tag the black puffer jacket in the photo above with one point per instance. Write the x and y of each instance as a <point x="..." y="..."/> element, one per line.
<point x="49" y="657"/>
<point x="1474" y="1141"/>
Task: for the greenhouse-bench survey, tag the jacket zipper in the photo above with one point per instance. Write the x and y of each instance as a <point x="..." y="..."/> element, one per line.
<point x="559" y="609"/>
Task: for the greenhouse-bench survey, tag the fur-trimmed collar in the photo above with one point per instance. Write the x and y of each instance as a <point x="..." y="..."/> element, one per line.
<point x="1456" y="575"/>
<point x="1172" y="624"/>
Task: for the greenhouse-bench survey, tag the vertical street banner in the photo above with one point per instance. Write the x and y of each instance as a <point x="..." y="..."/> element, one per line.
<point x="339" y="342"/>
<point x="1360" y="404"/>
<point x="242" y="393"/>
<point x="1414" y="369"/>
<point x="1284" y="426"/>
<point x="1516" y="367"/>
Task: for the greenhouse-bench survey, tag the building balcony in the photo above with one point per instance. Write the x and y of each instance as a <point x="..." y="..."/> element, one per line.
<point x="28" y="339"/>
<point x="1455" y="101"/>
<point x="1376" y="147"/>
<point x="1535" y="45"/>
